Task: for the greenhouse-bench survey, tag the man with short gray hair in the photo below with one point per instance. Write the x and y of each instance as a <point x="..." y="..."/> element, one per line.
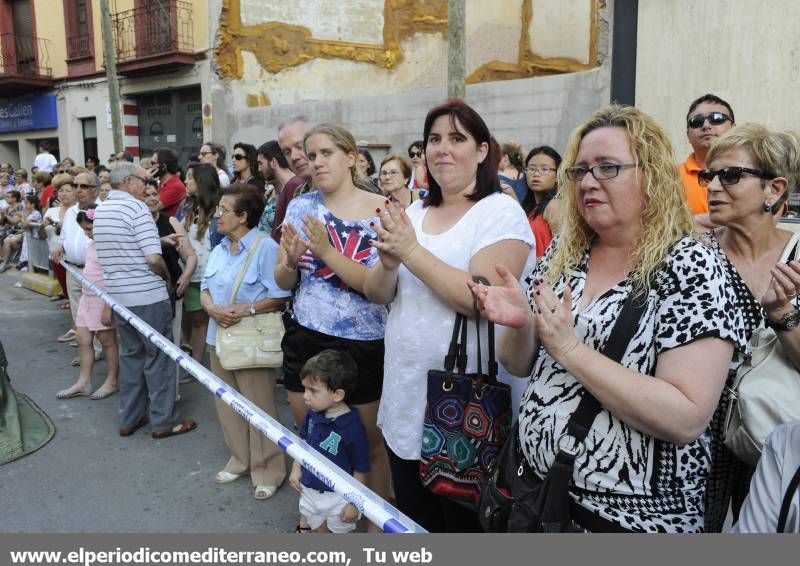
<point x="129" y="249"/>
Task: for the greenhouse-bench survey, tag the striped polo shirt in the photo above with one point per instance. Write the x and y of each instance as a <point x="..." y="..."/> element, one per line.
<point x="124" y="233"/>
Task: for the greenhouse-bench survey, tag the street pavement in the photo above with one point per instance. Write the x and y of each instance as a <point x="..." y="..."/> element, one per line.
<point x="88" y="478"/>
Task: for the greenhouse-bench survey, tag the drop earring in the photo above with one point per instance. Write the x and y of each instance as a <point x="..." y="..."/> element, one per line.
<point x="767" y="207"/>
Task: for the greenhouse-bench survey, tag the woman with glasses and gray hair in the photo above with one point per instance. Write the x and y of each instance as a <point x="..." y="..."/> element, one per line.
<point x="626" y="233"/>
<point x="751" y="171"/>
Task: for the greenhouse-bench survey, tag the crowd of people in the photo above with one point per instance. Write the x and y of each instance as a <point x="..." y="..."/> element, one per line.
<point x="372" y="264"/>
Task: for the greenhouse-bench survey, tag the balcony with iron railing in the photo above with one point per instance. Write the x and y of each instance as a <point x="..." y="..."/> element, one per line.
<point x="79" y="46"/>
<point x="24" y="63"/>
<point x="157" y="36"/>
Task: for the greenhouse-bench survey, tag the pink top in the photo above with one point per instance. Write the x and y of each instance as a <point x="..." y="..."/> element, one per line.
<point x="93" y="271"/>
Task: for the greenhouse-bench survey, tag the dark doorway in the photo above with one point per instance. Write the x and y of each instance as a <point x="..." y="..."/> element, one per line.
<point x="89" y="138"/>
<point x="170" y="119"/>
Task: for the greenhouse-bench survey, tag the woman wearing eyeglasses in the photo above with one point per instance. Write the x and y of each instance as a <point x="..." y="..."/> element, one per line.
<point x="541" y="167"/>
<point x="245" y="166"/>
<point x="238" y="214"/>
<point x="393" y="180"/>
<point x="750" y="173"/>
<point x="643" y="465"/>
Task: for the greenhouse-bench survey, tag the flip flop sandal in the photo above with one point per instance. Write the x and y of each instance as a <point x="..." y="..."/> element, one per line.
<point x="68" y="336"/>
<point x="69" y="393"/>
<point x="102" y="394"/>
<point x="182" y="428"/>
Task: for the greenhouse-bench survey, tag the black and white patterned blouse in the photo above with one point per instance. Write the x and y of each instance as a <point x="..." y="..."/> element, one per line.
<point x="626" y="476"/>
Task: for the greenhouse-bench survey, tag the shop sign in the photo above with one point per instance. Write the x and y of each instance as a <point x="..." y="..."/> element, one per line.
<point x="30" y="113"/>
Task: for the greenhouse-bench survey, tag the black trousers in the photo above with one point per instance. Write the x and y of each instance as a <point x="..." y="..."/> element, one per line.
<point x="434" y="513"/>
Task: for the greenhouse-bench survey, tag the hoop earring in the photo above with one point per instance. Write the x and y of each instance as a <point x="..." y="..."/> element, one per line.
<point x="767" y="207"/>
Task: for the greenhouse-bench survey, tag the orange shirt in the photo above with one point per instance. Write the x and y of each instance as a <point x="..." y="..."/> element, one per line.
<point x="695" y="194"/>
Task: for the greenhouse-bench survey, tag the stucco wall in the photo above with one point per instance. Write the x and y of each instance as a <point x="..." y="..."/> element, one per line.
<point x="50" y="26"/>
<point x="747" y="52"/>
<point x="567" y="44"/>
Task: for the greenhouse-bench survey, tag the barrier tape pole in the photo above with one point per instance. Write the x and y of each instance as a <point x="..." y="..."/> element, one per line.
<point x="364" y="499"/>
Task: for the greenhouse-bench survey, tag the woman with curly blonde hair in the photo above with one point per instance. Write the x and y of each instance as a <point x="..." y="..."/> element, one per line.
<point x="627" y="230"/>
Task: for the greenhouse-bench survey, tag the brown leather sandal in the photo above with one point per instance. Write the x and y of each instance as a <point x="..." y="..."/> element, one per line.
<point x="185" y="426"/>
<point x="129" y="430"/>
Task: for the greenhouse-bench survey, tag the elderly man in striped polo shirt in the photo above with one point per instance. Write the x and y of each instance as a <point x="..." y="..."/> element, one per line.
<point x="136" y="276"/>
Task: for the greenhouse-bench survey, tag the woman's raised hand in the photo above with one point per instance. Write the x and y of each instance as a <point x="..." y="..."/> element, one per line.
<point x="783" y="289"/>
<point x="291" y="244"/>
<point x="553" y="320"/>
<point x="504" y="304"/>
<point x="396" y="235"/>
<point x="318" y="241"/>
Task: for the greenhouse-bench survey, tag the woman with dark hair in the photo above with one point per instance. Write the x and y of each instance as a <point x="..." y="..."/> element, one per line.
<point x="419" y="175"/>
<point x="245" y="165"/>
<point x="511" y="170"/>
<point x="541" y="167"/>
<point x="202" y="186"/>
<point x="238" y="214"/>
<point x="214" y="154"/>
<point x="428" y="251"/>
<point x="365" y="166"/>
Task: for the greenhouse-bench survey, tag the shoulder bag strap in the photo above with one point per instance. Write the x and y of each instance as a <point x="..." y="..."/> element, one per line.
<point x="491" y="366"/>
<point x="790" y="251"/>
<point x="787" y="501"/>
<point x="628" y="321"/>
<point x="250" y="253"/>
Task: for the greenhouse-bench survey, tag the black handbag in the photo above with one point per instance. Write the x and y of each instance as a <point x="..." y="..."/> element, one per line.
<point x="514" y="499"/>
<point x="467" y="419"/>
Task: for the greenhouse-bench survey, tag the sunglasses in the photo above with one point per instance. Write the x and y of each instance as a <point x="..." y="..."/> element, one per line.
<point x="413" y="154"/>
<point x="729" y="175"/>
<point x="83" y="186"/>
<point x="237" y="157"/>
<point x="714" y="118"/>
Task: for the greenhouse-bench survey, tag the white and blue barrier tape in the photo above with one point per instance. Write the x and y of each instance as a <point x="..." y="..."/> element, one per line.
<point x="365" y="500"/>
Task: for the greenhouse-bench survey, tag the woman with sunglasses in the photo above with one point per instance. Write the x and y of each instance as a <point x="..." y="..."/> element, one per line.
<point x="245" y="166"/>
<point x="751" y="171"/>
<point x="541" y="166"/>
<point x="419" y="174"/>
<point x="626" y="233"/>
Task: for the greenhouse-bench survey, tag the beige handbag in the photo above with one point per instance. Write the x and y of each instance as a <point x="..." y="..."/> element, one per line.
<point x="255" y="341"/>
<point x="765" y="392"/>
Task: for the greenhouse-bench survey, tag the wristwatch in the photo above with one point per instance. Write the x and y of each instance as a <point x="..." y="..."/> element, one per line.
<point x="253" y="309"/>
<point x="785" y="324"/>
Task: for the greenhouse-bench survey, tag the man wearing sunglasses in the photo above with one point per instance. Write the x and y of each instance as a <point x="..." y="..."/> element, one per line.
<point x="708" y="118"/>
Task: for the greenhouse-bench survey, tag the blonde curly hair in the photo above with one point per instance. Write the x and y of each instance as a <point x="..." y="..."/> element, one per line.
<point x="665" y="218"/>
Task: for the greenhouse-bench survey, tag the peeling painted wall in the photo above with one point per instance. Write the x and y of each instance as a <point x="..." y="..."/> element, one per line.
<point x="329" y="50"/>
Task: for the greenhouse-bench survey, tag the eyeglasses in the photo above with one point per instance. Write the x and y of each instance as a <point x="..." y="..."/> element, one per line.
<point x="541" y="170"/>
<point x="389" y="173"/>
<point x="83" y="186"/>
<point x="729" y="175"/>
<point x="601" y="171"/>
<point x="413" y="154"/>
<point x="237" y="157"/>
<point x="204" y="153"/>
<point x="221" y="210"/>
<point x="714" y="118"/>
